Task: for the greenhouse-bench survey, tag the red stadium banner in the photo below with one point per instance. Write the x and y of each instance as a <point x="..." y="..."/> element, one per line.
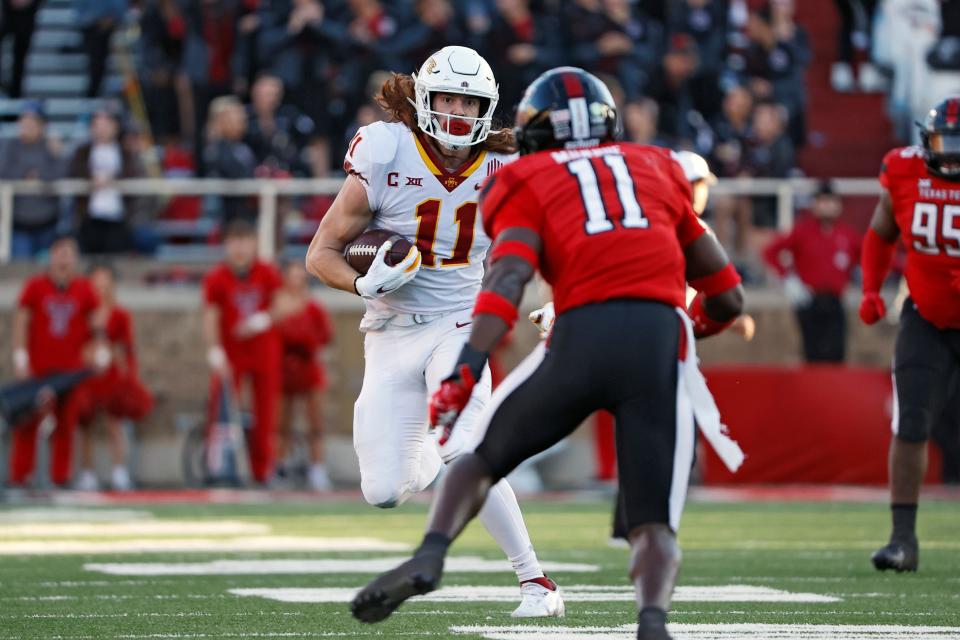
<point x="802" y="425"/>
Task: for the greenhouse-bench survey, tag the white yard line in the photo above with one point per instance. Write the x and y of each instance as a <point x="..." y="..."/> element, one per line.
<point x="462" y="564"/>
<point x="718" y="632"/>
<point x="72" y="515"/>
<point x="571" y="593"/>
<point x="209" y="545"/>
<point x="134" y="528"/>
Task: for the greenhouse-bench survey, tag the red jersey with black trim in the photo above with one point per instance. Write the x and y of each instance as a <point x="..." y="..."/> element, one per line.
<point x="927" y="211"/>
<point x="239" y="296"/>
<point x="59" y="322"/>
<point x="614" y="220"/>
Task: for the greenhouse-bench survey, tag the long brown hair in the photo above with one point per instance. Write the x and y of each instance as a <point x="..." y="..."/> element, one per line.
<point x="395" y="95"/>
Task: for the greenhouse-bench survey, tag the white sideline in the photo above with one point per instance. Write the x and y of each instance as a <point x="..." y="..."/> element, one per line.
<point x="718" y="632"/>
<point x="72" y="515"/>
<point x="207" y="545"/>
<point x="134" y="528"/>
<point x="462" y="564"/>
<point x="571" y="593"/>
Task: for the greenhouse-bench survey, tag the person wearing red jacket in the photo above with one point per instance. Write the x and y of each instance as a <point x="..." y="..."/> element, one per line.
<point x="305" y="329"/>
<point x="920" y="203"/>
<point x="814" y="261"/>
<point x="55" y="316"/>
<point x="241" y="339"/>
<point x="118" y="392"/>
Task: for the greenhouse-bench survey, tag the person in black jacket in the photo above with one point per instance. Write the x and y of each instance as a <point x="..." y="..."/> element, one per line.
<point x="228" y="156"/>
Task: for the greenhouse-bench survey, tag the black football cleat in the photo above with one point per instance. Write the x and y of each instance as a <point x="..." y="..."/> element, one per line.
<point x="652" y="625"/>
<point x="653" y="633"/>
<point x="380" y="598"/>
<point x="900" y="555"/>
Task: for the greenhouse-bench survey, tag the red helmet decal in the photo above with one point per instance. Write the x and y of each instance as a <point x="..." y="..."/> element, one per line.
<point x="953" y="111"/>
<point x="573" y="85"/>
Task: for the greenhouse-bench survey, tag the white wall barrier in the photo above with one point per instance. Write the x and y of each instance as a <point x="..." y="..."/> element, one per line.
<point x="268" y="191"/>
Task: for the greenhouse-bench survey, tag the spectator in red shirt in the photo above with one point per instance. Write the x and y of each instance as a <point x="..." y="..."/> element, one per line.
<point x="305" y="329"/>
<point x="117" y="392"/>
<point x="242" y="341"/>
<point x="815" y="260"/>
<point x="52" y="323"/>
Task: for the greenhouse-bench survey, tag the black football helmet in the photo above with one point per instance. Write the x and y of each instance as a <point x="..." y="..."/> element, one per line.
<point x="940" y="135"/>
<point x="565" y="108"/>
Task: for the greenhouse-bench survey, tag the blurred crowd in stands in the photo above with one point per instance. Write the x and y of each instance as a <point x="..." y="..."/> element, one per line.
<point x="273" y="88"/>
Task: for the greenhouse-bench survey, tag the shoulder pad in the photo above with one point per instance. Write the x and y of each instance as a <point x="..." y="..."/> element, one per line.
<point x="382" y="140"/>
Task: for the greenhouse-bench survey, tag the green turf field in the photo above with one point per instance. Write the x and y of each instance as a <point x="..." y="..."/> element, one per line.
<point x="759" y="570"/>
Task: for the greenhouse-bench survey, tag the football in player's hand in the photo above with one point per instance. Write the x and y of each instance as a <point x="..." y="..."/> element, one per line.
<point x="360" y="253"/>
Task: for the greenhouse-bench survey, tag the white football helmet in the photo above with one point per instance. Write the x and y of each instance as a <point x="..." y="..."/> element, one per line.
<point x="695" y="167"/>
<point x="458" y="70"/>
<point x="697" y="171"/>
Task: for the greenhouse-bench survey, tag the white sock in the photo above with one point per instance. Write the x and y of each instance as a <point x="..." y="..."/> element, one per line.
<point x="501" y="516"/>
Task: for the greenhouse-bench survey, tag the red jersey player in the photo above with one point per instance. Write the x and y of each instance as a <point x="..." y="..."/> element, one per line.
<point x="611" y="228"/>
<point x="54" y="318"/>
<point x="243" y="343"/>
<point x="305" y="328"/>
<point x="920" y="203"/>
<point x="118" y="392"/>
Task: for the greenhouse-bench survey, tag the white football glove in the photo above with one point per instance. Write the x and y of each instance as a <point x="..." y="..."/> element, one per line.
<point x="381" y="278"/>
<point x="796" y="291"/>
<point x="543" y="318"/>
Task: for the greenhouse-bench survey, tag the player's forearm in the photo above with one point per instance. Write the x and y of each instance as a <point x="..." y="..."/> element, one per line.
<point x="211" y="326"/>
<point x="331" y="268"/>
<point x="875" y="260"/>
<point x="487" y="332"/>
<point x="21" y="320"/>
<point x="496" y="308"/>
<point x="21" y="359"/>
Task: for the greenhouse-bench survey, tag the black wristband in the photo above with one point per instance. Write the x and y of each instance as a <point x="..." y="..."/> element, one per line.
<point x="474" y="359"/>
<point x="355" y="290"/>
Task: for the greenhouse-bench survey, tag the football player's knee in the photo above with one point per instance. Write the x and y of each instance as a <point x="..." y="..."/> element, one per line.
<point x="381" y="493"/>
<point x="914" y="424"/>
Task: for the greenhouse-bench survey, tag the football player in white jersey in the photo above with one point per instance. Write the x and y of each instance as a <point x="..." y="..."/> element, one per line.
<point x="419" y="175"/>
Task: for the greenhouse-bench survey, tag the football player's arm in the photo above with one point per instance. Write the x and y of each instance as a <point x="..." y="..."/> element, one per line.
<point x="513" y="262"/>
<point x="876" y="256"/>
<point x="21" y="358"/>
<point x="720" y="295"/>
<point x="346" y="219"/>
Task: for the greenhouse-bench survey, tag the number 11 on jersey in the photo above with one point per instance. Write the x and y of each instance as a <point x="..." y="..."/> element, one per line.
<point x="597" y="219"/>
<point x="428" y="222"/>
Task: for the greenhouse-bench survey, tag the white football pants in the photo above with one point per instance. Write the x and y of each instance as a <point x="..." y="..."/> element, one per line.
<point x="398" y="455"/>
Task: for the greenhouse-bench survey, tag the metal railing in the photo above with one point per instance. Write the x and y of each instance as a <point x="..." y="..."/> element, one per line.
<point x="269" y="190"/>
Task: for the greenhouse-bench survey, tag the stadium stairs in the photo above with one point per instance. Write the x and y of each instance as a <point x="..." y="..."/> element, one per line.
<point x="56" y="73"/>
<point x="848" y="134"/>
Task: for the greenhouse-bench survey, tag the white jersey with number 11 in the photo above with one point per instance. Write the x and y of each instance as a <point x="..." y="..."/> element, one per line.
<point x="411" y="193"/>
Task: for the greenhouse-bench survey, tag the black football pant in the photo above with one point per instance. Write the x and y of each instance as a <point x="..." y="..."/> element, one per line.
<point x="926" y="377"/>
<point x="823" y="324"/>
<point x="619" y="355"/>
